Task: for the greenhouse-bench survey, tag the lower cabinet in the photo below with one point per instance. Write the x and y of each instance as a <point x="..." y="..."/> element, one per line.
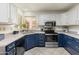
<point x="28" y="42"/>
<point x="60" y="40"/>
<point x="71" y="44"/>
<point x="34" y="40"/>
<point x="71" y="50"/>
<point x="11" y="49"/>
<point x="40" y="38"/>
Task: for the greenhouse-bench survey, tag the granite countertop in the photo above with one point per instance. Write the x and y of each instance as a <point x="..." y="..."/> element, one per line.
<point x="13" y="37"/>
<point x="9" y="38"/>
<point x="70" y="34"/>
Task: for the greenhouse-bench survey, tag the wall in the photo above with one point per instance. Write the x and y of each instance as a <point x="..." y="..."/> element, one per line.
<point x="37" y="13"/>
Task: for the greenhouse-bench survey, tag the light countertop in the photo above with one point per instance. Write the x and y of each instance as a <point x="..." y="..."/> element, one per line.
<point x="70" y="34"/>
<point x="11" y="38"/>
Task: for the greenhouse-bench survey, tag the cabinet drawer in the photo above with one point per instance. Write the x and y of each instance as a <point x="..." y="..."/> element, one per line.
<point x="72" y="51"/>
<point x="10" y="46"/>
<point x="74" y="46"/>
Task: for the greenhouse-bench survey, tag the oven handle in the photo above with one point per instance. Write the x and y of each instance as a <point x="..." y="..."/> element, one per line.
<point x="51" y="34"/>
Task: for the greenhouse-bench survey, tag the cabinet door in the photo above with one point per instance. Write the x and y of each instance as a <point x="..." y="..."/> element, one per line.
<point x="11" y="52"/>
<point x="71" y="50"/>
<point x="10" y="46"/>
<point x="77" y="15"/>
<point x="32" y="37"/>
<point x="36" y="40"/>
<point x="58" y="20"/>
<point x="28" y="42"/>
<point x="60" y="40"/>
<point x="63" y="19"/>
<point x="69" y="18"/>
<point x="20" y="42"/>
<point x="65" y="41"/>
<point x="4" y="12"/>
<point x="41" y="40"/>
<point x="13" y="14"/>
<point x="10" y="49"/>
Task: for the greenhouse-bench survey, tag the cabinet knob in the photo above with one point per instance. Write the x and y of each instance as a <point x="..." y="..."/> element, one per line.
<point x="77" y="47"/>
<point x="77" y="41"/>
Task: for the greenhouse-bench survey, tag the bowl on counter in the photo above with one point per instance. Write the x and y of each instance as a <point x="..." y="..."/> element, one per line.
<point x="15" y="32"/>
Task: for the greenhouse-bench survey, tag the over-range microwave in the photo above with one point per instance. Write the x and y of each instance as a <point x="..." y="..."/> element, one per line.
<point x="50" y="23"/>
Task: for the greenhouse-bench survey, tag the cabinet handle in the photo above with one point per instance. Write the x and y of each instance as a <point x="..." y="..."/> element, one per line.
<point x="77" y="47"/>
<point x="11" y="46"/>
<point x="69" y="42"/>
<point x="77" y="41"/>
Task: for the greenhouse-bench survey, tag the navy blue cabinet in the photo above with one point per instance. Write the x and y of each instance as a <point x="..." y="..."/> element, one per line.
<point x="65" y="41"/>
<point x="34" y="40"/>
<point x="60" y="40"/>
<point x="28" y="41"/>
<point x="40" y="40"/>
<point x="10" y="49"/>
<point x="19" y="42"/>
<point x="71" y="44"/>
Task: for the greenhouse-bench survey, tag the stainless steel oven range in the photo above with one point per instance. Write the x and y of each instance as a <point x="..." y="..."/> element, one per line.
<point x="50" y="34"/>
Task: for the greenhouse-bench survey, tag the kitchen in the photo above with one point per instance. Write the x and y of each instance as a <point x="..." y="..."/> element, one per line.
<point x="39" y="29"/>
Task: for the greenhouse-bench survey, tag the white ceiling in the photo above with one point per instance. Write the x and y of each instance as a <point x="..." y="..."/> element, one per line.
<point x="44" y="6"/>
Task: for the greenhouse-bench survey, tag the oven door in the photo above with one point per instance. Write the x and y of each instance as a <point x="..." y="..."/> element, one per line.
<point x="51" y="37"/>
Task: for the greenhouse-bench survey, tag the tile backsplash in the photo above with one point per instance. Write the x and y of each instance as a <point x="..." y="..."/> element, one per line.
<point x="5" y="28"/>
<point x="2" y="28"/>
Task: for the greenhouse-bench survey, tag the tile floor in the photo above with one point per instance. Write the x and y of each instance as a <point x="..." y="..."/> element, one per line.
<point x="46" y="51"/>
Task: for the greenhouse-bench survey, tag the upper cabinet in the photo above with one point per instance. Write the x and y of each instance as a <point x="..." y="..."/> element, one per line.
<point x="58" y="20"/>
<point x="9" y="13"/>
<point x="70" y="17"/>
<point x="63" y="19"/>
<point x="4" y="12"/>
<point x="13" y="14"/>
